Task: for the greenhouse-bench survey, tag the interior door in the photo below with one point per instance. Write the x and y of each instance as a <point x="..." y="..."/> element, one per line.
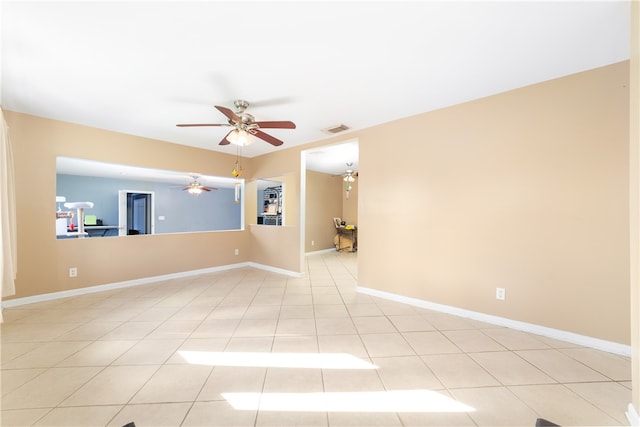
<point x="136" y="212"/>
<point x="139" y="206"/>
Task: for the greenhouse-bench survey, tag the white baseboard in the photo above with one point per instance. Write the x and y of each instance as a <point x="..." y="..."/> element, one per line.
<point x="632" y="415"/>
<point x="275" y="269"/>
<point x="596" y="343"/>
<point x="323" y="251"/>
<point x="135" y="282"/>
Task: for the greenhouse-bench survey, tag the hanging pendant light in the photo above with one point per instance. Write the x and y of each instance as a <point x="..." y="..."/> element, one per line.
<point x="237" y="169"/>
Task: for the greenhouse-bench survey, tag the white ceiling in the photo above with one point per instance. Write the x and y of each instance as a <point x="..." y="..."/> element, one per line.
<point x="142" y="67"/>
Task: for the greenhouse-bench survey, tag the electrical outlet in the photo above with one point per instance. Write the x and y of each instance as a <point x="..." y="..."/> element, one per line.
<point x="237" y="252"/>
<point x="313" y="243"/>
<point x="73" y="272"/>
<point x="501" y="293"/>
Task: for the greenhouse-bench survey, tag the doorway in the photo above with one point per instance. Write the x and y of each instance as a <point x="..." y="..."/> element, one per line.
<point x="331" y="161"/>
<point x="136" y="212"/>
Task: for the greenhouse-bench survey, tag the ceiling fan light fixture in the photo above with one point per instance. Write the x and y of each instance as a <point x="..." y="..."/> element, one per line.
<point x="194" y="190"/>
<point x="240" y="137"/>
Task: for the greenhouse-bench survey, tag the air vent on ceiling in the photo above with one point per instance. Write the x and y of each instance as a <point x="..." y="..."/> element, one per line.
<point x="336" y="129"/>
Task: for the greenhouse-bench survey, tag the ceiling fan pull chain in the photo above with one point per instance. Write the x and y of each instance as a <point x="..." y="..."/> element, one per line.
<point x="237" y="169"/>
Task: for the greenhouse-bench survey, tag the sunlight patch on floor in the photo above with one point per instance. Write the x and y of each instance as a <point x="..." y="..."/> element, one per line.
<point x="276" y="360"/>
<point x="370" y="401"/>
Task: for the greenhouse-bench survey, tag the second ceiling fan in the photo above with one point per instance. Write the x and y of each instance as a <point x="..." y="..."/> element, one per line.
<point x="244" y="124"/>
<point x="195" y="187"/>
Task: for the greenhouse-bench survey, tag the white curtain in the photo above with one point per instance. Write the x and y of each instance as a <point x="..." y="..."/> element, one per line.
<point x="8" y="229"/>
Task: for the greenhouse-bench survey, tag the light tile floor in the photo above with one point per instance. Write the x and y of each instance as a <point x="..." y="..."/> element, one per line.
<point x="247" y="347"/>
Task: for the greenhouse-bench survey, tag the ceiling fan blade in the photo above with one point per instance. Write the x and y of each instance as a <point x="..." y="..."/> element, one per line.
<point x="270" y="139"/>
<point x="225" y="141"/>
<point x="277" y="125"/>
<point x="229" y="113"/>
<point x="184" y="125"/>
<point x="202" y="187"/>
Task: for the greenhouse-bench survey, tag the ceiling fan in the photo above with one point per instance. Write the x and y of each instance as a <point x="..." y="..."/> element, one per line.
<point x="349" y="175"/>
<point x="244" y="124"/>
<point x="194" y="187"/>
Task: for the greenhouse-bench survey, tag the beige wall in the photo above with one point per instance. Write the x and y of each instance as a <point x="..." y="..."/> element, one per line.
<point x="279" y="247"/>
<point x="326" y="199"/>
<point x="634" y="200"/>
<point x="44" y="261"/>
<point x="323" y="203"/>
<point x="526" y="190"/>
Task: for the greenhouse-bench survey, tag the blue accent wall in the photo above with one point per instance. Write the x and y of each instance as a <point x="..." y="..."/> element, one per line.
<point x="183" y="212"/>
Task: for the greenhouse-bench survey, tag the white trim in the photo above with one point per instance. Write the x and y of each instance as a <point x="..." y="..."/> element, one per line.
<point x="632" y="415"/>
<point x="323" y="251"/>
<point x="608" y="346"/>
<point x="275" y="269"/>
<point x="303" y="208"/>
<point x="135" y="282"/>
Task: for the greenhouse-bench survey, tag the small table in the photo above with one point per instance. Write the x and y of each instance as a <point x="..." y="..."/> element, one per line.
<point x="344" y="229"/>
<point x="104" y="228"/>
